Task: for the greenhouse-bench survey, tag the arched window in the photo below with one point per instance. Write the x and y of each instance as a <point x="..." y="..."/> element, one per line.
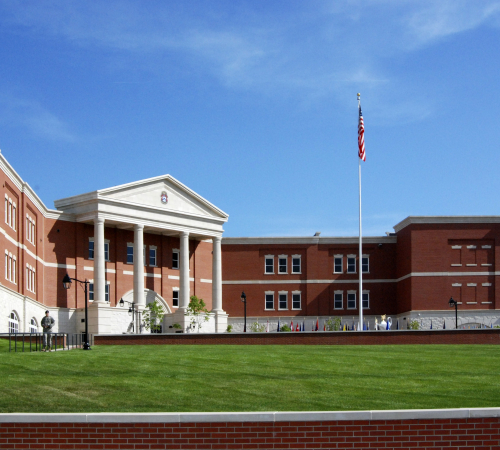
<point x="13" y="323"/>
<point x="33" y="326"/>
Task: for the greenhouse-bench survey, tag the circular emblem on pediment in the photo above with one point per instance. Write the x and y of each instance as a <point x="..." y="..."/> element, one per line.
<point x="164" y="197"/>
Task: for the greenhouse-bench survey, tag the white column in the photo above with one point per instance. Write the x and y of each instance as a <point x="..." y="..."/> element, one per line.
<point x="216" y="275"/>
<point x="184" y="271"/>
<point x="99" y="264"/>
<point x="139" y="299"/>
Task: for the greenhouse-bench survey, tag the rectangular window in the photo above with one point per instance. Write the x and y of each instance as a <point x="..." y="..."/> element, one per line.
<point x="366" y="300"/>
<point x="106" y="251"/>
<point x="175" y="259"/>
<point x="337" y="264"/>
<point x="6" y="209"/>
<point x="91" y="292"/>
<point x="14" y="215"/>
<point x="296" y="300"/>
<point x="269" y="264"/>
<point x="130" y="253"/>
<point x="283" y="300"/>
<point x="351" y="300"/>
<point x="296" y="267"/>
<point x="365" y="263"/>
<point x="282" y="264"/>
<point x="338" y="300"/>
<point x="351" y="264"/>
<point x="152" y="256"/>
<point x="91" y="249"/>
<point x="175" y="299"/>
<point x="269" y="300"/>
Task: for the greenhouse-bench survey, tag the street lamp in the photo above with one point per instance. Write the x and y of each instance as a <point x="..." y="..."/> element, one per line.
<point x="67" y="284"/>
<point x="244" y="300"/>
<point x="131" y="311"/>
<point x="453" y="303"/>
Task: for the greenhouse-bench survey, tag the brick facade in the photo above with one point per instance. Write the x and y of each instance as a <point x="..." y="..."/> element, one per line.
<point x="424" y="429"/>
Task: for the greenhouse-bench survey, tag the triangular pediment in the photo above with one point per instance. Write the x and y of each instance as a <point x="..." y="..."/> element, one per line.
<point x="164" y="193"/>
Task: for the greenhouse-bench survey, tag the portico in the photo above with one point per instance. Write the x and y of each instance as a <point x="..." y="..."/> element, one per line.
<point x="156" y="206"/>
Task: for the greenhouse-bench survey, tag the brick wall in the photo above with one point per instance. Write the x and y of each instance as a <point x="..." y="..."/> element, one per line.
<point x="422" y="429"/>
<point x="477" y="336"/>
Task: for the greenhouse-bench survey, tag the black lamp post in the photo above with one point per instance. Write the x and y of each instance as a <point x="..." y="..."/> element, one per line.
<point x="131" y="311"/>
<point x="244" y="300"/>
<point x="67" y="284"/>
<point x="454" y="303"/>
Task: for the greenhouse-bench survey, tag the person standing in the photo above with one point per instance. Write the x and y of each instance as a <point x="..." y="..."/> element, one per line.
<point x="47" y="324"/>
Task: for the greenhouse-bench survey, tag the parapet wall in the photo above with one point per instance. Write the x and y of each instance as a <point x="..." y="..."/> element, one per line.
<point x="477" y="336"/>
<point x="422" y="429"/>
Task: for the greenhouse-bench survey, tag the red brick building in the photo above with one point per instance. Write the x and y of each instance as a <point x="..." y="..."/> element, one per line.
<point x="408" y="275"/>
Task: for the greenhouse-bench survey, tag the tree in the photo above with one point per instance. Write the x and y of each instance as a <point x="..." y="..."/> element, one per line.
<point x="152" y="316"/>
<point x="197" y="311"/>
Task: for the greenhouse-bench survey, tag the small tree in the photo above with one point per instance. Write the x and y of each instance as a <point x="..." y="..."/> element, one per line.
<point x="256" y="327"/>
<point x="198" y="311"/>
<point x="414" y="325"/>
<point x="153" y="315"/>
<point x="333" y="324"/>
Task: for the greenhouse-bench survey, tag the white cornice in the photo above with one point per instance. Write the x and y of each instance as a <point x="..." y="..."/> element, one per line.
<point x="313" y="240"/>
<point x="410" y="220"/>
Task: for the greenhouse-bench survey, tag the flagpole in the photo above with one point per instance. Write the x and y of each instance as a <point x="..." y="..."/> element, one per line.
<point x="360" y="243"/>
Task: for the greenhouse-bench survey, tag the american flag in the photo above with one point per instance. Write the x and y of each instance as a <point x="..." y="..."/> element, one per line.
<point x="361" y="136"/>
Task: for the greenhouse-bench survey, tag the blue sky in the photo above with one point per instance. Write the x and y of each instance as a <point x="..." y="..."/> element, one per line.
<point x="252" y="104"/>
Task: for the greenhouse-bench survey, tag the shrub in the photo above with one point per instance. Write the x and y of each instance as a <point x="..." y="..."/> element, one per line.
<point x="257" y="328"/>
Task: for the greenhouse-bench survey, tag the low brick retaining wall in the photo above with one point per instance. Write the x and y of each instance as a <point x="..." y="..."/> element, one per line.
<point x="418" y="429"/>
<point x="477" y="336"/>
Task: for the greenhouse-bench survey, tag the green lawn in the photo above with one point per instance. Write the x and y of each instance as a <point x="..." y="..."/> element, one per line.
<point x="250" y="378"/>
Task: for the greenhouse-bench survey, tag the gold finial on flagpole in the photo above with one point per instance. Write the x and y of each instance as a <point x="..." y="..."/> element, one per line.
<point x="359" y="95"/>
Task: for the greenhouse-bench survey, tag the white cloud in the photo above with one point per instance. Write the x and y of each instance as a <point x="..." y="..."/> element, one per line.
<point x="34" y="118"/>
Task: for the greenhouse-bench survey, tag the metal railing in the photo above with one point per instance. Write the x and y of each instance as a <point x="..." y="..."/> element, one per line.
<point x="33" y="342"/>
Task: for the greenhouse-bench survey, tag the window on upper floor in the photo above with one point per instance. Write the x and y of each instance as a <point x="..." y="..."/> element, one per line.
<point x="175" y="298"/>
<point x="10" y="267"/>
<point x="338" y="300"/>
<point x="92" y="251"/>
<point x="10" y="212"/>
<point x="106" y="292"/>
<point x="269" y="300"/>
<point x="351" y="300"/>
<point x="130" y="253"/>
<point x="365" y="263"/>
<point x="282" y="264"/>
<point x="296" y="266"/>
<point x="30" y="229"/>
<point x="337" y="263"/>
<point x="296" y="300"/>
<point x="366" y="299"/>
<point x="283" y="300"/>
<point x="30" y="278"/>
<point x="269" y="264"/>
<point x="351" y="263"/>
<point x="175" y="259"/>
<point x="152" y="256"/>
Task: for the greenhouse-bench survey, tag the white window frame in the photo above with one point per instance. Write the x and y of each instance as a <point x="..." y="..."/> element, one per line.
<point x="106" y="291"/>
<point x="265" y="300"/>
<point x="33" y="326"/>
<point x="106" y="249"/>
<point x="175" y="291"/>
<point x="13" y="322"/>
<point x="130" y="245"/>
<point x="14" y="215"/>
<point x="336" y="257"/>
<point x="295" y="293"/>
<point x="341" y="293"/>
<point x="30" y="229"/>
<point x="367" y="293"/>
<point x="10" y="267"/>
<point x="30" y="278"/>
<point x="367" y="257"/>
<point x="355" y="299"/>
<point x="153" y="248"/>
<point x="280" y="294"/>
<point x="271" y="257"/>
<point x="348" y="258"/>
<point x="300" y="264"/>
<point x="178" y="252"/>
<point x="6" y="209"/>
<point x="280" y="259"/>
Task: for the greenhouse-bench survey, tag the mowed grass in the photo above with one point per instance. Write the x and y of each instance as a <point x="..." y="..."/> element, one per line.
<point x="250" y="378"/>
